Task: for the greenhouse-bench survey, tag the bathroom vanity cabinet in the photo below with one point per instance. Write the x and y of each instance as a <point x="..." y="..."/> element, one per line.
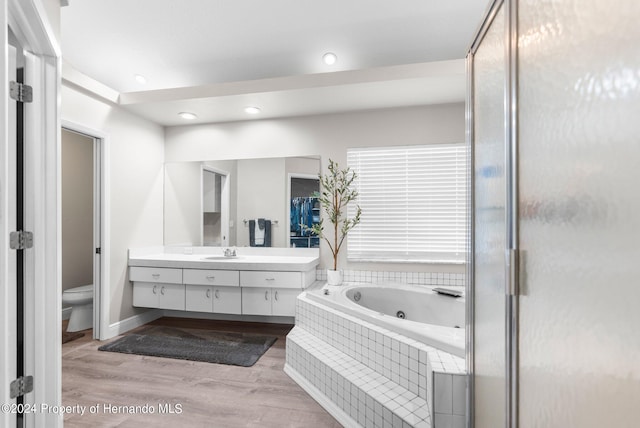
<point x="270" y="301"/>
<point x="212" y="291"/>
<point x="195" y="284"/>
<point x="158" y="288"/>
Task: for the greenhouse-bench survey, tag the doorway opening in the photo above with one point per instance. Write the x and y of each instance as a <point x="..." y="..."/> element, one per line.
<point x="215" y="207"/>
<point x="81" y="209"/>
<point x="304" y="210"/>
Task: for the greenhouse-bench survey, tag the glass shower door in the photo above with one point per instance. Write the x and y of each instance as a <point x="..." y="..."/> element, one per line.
<point x="488" y="365"/>
<point x="579" y="110"/>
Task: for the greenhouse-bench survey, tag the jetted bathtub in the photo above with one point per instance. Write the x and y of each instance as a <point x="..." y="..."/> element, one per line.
<point x="414" y="311"/>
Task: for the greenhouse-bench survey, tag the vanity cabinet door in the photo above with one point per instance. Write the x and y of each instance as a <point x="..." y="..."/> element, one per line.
<point x="145" y="294"/>
<point x="158" y="295"/>
<point x="171" y="296"/>
<point x="227" y="300"/>
<point x="283" y="301"/>
<point x="199" y="298"/>
<point x="256" y="301"/>
<point x="269" y="301"/>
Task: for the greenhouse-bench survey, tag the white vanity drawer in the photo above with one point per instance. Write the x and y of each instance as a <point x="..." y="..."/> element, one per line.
<point x="155" y="275"/>
<point x="271" y="279"/>
<point x="211" y="277"/>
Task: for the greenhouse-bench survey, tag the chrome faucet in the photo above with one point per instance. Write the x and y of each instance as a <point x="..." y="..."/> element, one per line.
<point x="230" y="252"/>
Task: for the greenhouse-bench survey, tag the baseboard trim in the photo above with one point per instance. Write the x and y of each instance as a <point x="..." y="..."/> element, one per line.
<point x="230" y="317"/>
<point x="130" y="323"/>
<point x="335" y="411"/>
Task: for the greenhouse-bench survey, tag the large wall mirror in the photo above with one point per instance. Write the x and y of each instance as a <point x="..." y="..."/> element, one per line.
<point x="214" y="203"/>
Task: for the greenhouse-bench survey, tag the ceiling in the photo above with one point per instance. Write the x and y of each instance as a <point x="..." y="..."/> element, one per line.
<point x="215" y="57"/>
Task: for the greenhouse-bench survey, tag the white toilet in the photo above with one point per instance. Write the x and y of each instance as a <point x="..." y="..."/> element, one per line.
<point x="81" y="301"/>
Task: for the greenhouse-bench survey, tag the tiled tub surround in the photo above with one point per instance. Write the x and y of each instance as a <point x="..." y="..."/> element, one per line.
<point x="417" y="278"/>
<point x="367" y="375"/>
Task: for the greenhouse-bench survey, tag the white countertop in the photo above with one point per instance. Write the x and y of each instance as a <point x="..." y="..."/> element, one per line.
<point x="270" y="261"/>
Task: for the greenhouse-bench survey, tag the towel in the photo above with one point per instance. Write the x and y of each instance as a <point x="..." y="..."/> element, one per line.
<point x="254" y="227"/>
<point x="258" y="232"/>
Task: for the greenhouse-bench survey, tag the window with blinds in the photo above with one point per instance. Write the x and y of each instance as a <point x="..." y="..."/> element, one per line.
<point x="414" y="203"/>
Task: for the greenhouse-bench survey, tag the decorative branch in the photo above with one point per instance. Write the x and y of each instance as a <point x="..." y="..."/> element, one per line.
<point x="334" y="197"/>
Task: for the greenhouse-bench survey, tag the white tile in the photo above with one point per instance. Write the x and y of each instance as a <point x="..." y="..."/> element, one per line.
<point x="443" y="393"/>
<point x="459" y="394"/>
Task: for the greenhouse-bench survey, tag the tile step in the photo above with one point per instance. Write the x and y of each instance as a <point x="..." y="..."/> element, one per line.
<point x="369" y="398"/>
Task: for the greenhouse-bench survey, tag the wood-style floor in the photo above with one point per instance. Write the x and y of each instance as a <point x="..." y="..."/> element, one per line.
<point x="207" y="395"/>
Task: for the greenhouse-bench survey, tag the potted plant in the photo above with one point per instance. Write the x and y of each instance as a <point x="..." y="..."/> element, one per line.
<point x="334" y="196"/>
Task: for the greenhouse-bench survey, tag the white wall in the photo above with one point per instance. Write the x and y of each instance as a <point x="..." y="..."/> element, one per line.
<point x="77" y="210"/>
<point x="326" y="135"/>
<point x="182" y="203"/>
<point x="136" y="156"/>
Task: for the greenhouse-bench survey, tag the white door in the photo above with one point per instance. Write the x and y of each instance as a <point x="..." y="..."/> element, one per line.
<point x="31" y="319"/>
<point x="8" y="256"/>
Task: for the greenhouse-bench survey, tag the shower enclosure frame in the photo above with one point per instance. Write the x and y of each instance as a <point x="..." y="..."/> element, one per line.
<point x="511" y="252"/>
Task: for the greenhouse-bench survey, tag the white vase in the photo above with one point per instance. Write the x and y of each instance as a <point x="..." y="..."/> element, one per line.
<point x="334" y="277"/>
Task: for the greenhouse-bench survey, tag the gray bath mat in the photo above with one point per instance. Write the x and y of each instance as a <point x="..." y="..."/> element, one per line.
<point x="212" y="347"/>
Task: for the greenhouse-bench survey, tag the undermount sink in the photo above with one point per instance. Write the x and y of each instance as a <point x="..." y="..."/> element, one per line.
<point x="221" y="257"/>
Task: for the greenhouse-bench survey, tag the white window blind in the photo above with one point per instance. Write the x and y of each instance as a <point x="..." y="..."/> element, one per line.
<point x="414" y="203"/>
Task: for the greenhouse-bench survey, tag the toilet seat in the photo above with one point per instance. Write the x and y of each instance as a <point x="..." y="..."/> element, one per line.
<point x="78" y="295"/>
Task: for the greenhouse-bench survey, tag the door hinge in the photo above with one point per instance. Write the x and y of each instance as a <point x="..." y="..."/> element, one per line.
<point x="98" y="250"/>
<point x="20" y="240"/>
<point x="513" y="271"/>
<point x="21" y="386"/>
<point x="20" y="92"/>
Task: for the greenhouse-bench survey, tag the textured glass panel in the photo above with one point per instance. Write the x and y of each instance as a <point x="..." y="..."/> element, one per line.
<point x="579" y="163"/>
<point x="490" y="228"/>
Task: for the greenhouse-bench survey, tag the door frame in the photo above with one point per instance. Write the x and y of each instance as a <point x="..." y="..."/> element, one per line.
<point x="101" y="225"/>
<point x="511" y="417"/>
<point x="290" y="176"/>
<point x="42" y="327"/>
<point x="225" y="203"/>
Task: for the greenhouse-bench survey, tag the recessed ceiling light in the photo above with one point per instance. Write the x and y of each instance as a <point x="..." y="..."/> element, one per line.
<point x="329" y="58"/>
<point x="187" y="115"/>
<point x="141" y="79"/>
<point x="251" y="110"/>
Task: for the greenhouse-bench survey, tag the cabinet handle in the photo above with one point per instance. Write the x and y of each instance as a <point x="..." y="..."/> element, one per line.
<point x="276" y="296"/>
<point x="154" y="289"/>
<point x="211" y="277"/>
<point x="208" y="293"/>
<point x="155" y="275"/>
<point x="162" y="291"/>
<point x="270" y="279"/>
<point x="266" y="295"/>
<point x="217" y="294"/>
